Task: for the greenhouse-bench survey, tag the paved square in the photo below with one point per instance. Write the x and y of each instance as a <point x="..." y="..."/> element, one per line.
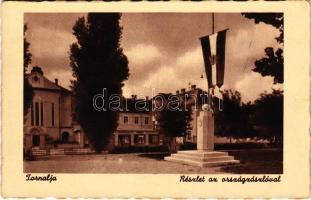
<point x="264" y="161"/>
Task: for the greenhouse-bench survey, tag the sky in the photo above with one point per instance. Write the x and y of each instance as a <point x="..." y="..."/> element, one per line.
<point x="163" y="50"/>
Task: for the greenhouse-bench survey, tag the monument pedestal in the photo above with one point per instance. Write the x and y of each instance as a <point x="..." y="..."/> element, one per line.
<point x="204" y="156"/>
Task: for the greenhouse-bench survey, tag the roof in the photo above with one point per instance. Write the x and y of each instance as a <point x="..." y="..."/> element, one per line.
<point x="50" y="85"/>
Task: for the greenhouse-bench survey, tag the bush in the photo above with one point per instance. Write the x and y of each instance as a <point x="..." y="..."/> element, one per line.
<point x="62" y="142"/>
<point x="188" y="146"/>
<point x="28" y="155"/>
<point x="137" y="149"/>
<point x="49" y="140"/>
<point x="227" y="146"/>
<point x="233" y="146"/>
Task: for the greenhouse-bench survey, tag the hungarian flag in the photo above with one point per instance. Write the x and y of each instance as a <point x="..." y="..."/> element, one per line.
<point x="213" y="47"/>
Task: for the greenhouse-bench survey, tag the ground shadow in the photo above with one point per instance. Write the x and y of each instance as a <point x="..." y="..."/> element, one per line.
<point x="256" y="161"/>
<point x="155" y="155"/>
<point x="252" y="161"/>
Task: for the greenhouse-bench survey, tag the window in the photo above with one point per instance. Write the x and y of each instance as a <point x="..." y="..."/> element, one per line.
<point x="146" y="120"/>
<point x="126" y="120"/>
<point x="37" y="113"/>
<point x="124" y="140"/>
<point x="35" y="79"/>
<point x="139" y="139"/>
<point x="41" y="109"/>
<point x="136" y="120"/>
<point x="52" y="114"/>
<point x="31" y="112"/>
<point x="153" y="139"/>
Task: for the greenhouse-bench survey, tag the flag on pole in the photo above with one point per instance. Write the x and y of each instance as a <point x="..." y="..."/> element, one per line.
<point x="213" y="47"/>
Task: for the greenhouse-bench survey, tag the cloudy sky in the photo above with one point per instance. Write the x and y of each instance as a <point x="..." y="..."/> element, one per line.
<point x="163" y="50"/>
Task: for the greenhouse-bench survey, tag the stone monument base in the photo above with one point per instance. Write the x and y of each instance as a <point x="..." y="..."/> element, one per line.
<point x="202" y="158"/>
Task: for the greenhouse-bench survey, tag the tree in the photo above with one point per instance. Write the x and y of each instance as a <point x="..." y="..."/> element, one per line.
<point x="174" y="123"/>
<point x="268" y="116"/>
<point x="97" y="62"/>
<point x="28" y="91"/>
<point x="273" y="62"/>
<point x="233" y="121"/>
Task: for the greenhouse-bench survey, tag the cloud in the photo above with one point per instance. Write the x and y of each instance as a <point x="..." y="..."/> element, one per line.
<point x="63" y="76"/>
<point x="253" y="84"/>
<point x="142" y="54"/>
<point x="57" y="21"/>
<point x="162" y="80"/>
<point x="186" y="69"/>
<point x="142" y="60"/>
<point x="250" y="41"/>
<point x="47" y="43"/>
<point x="190" y="67"/>
<point x="162" y="48"/>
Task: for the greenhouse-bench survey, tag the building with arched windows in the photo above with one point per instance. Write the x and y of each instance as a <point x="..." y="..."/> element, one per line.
<point x="49" y="120"/>
<point x="49" y="124"/>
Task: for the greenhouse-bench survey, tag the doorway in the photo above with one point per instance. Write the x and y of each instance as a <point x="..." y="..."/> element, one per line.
<point x="65" y="137"/>
<point x="36" y="140"/>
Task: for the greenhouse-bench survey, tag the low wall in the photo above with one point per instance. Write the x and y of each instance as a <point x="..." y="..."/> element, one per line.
<point x="61" y="151"/>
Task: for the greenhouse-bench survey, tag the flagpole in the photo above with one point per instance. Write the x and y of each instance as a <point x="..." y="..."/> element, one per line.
<point x="213" y="28"/>
<point x="209" y="91"/>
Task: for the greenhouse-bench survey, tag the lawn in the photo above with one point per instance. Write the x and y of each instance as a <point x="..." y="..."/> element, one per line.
<point x="252" y="161"/>
<point x="261" y="161"/>
<point x="265" y="161"/>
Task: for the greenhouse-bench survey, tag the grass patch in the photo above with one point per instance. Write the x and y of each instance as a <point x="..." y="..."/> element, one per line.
<point x="257" y="161"/>
<point x="155" y="155"/>
<point x="253" y="161"/>
<point x="138" y="149"/>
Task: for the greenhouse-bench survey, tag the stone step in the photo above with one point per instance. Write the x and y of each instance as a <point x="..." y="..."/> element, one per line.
<point x="38" y="152"/>
<point x="203" y="159"/>
<point x="205" y="154"/>
<point x="82" y="150"/>
<point x="184" y="161"/>
<point x="221" y="163"/>
<point x="201" y="164"/>
<point x="57" y="152"/>
<point x="78" y="151"/>
<point x="60" y="151"/>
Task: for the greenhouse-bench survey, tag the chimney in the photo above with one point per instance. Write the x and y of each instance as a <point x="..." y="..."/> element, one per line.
<point x="147" y="98"/>
<point x="193" y="87"/>
<point x="56" y="81"/>
<point x="183" y="90"/>
<point x="134" y="96"/>
<point x="177" y="92"/>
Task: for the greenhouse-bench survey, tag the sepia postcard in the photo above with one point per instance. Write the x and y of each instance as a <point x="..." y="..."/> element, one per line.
<point x="156" y="100"/>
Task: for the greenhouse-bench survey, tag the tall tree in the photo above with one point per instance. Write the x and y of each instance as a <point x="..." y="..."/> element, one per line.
<point x="28" y="91"/>
<point x="268" y="116"/>
<point x="234" y="120"/>
<point x="174" y="122"/>
<point x="273" y="62"/>
<point x="97" y="62"/>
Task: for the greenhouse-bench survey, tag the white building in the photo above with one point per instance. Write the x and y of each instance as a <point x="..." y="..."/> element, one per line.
<point x="49" y="117"/>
